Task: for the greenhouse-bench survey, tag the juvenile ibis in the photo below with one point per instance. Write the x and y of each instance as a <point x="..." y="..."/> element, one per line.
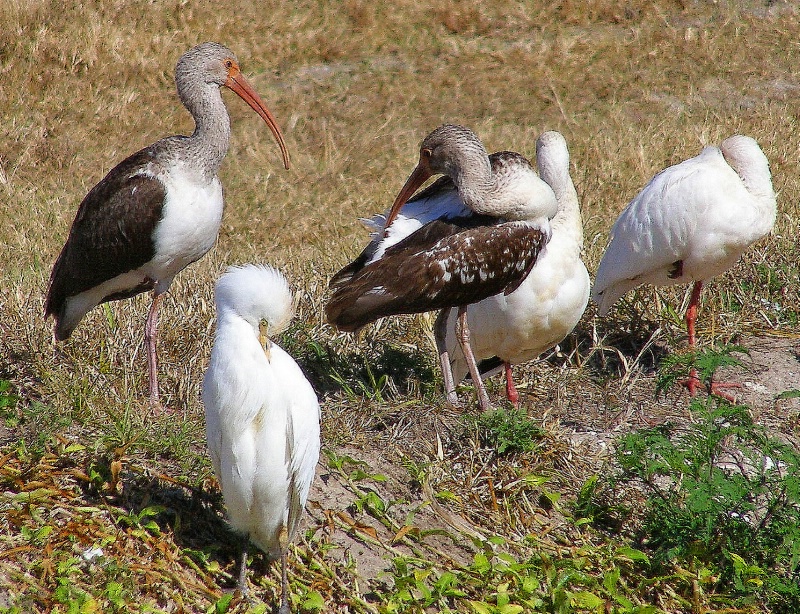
<point x="517" y="327"/>
<point x="473" y="233"/>
<point x="158" y="210"/>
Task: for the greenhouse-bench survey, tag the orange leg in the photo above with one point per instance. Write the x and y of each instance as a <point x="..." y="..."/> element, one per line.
<point x="693" y="382"/>
<point x="511" y="391"/>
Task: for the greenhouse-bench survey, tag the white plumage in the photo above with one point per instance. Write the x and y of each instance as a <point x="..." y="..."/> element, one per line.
<point x="473" y="233"/>
<point x="262" y="415"/>
<point x="704" y="213"/>
<point x="549" y="303"/>
<point x="690" y="223"/>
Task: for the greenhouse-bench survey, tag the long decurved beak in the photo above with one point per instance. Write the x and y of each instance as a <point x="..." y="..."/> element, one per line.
<point x="418" y="176"/>
<point x="240" y="85"/>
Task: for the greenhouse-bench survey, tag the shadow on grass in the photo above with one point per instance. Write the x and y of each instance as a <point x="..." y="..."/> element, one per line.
<point x="629" y="340"/>
<point x="377" y="371"/>
<point x="193" y="517"/>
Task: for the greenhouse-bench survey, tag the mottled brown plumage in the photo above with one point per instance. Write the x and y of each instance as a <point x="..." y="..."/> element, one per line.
<point x="112" y="234"/>
<point x="472" y="234"/>
<point x="439" y="266"/>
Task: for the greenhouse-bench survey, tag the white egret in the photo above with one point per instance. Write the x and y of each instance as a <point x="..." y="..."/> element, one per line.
<point x="262" y="415"/>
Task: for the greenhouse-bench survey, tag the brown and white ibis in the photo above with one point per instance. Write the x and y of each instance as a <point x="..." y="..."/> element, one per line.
<point x="691" y="222"/>
<point x="473" y="233"/>
<point x="517" y="327"/>
<point x="158" y="210"/>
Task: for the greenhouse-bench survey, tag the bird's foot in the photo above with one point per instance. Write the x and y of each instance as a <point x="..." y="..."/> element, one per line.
<point x="157" y="408"/>
<point x="715" y="390"/>
<point x="693" y="384"/>
<point x="452" y="400"/>
<point x="483" y="399"/>
<point x="242" y="591"/>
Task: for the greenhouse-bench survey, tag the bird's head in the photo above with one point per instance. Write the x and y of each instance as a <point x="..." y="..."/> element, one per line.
<point x="445" y="151"/>
<point x="260" y="296"/>
<point x="215" y="64"/>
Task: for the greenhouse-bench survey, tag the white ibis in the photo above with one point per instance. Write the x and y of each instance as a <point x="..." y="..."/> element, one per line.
<point x="158" y="210"/>
<point x="475" y="232"/>
<point x="262" y="415"/>
<point x="517" y="327"/>
<point x="691" y="222"/>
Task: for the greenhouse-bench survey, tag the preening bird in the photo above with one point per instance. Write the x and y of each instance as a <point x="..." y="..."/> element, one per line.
<point x="158" y="210"/>
<point x="262" y="415"/>
<point x="517" y="327"/>
<point x="691" y="222"/>
<point x="473" y="233"/>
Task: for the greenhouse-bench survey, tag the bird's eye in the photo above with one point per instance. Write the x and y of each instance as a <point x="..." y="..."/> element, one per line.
<point x="263" y="322"/>
<point x="426" y="153"/>
<point x="228" y="64"/>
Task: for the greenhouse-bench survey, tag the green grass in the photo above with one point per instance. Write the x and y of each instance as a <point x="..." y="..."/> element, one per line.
<point x="468" y="518"/>
<point x="722" y="499"/>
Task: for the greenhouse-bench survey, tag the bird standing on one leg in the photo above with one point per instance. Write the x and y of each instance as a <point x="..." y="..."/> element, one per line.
<point x="158" y="210"/>
<point x="475" y="232"/>
<point x="262" y="415"/>
<point x="690" y="223"/>
<point x="519" y="326"/>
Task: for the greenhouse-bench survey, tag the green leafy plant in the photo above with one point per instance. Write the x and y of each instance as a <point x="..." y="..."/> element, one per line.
<point x="8" y="401"/>
<point x="535" y="583"/>
<point x="676" y="367"/>
<point x="142" y="521"/>
<point x="721" y="495"/>
<point x="508" y="431"/>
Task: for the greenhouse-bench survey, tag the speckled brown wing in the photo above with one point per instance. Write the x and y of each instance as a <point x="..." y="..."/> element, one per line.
<point x="443" y="264"/>
<point x="112" y="232"/>
<point x="346" y="273"/>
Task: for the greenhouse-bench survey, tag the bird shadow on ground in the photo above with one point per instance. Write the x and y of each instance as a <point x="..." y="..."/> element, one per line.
<point x="378" y="370"/>
<point x="613" y="347"/>
<point x="145" y="502"/>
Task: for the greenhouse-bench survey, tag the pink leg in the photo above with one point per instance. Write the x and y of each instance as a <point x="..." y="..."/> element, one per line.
<point x="511" y="391"/>
<point x="693" y="382"/>
<point x="462" y="333"/>
<point x="150" y="332"/>
<point x="440" y="334"/>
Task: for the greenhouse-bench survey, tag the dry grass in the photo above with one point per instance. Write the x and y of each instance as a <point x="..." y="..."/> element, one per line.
<point x="634" y="86"/>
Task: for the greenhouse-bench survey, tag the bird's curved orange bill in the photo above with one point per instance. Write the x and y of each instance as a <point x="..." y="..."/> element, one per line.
<point x="239" y="84"/>
<point x="418" y="176"/>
